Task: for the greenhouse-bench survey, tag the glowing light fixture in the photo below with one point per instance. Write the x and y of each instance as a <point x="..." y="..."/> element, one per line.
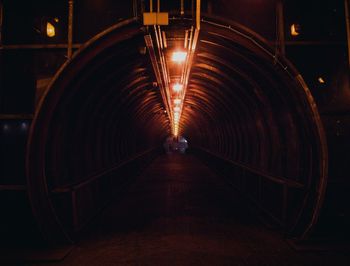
<point x="179" y="57"/>
<point x="321" y="80"/>
<point x="177" y="109"/>
<point x="177" y="87"/>
<point x="50" y="30"/>
<point x="295" y="29"/>
<point x="177" y="101"/>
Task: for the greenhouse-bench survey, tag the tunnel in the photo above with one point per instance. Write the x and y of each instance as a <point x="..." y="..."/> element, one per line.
<point x="246" y="109"/>
<point x="262" y="148"/>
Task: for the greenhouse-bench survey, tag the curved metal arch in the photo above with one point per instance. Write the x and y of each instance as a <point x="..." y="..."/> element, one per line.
<point x="232" y="36"/>
<point x="43" y="209"/>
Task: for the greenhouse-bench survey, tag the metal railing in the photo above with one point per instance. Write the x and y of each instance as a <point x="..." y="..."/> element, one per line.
<point x="89" y="196"/>
<point x="239" y="175"/>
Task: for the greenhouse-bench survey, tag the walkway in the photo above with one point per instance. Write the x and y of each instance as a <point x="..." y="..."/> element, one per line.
<point x="178" y="212"/>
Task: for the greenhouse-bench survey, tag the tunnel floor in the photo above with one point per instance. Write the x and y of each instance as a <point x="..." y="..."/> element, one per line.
<point x="179" y="212"/>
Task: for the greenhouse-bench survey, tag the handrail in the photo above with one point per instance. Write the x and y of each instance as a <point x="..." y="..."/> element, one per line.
<point x="276" y="179"/>
<point x="94" y="177"/>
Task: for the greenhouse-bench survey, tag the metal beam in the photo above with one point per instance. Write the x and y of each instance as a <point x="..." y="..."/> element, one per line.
<point x="347" y="20"/>
<point x="281" y="45"/>
<point x="16" y="116"/>
<point x="39" y="46"/>
<point x="198" y="15"/>
<point x="1" y="19"/>
<point x="310" y="43"/>
<point x="70" y="29"/>
<point x="135" y="8"/>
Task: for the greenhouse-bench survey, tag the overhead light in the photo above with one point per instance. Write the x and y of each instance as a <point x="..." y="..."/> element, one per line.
<point x="179" y="57"/>
<point x="321" y="80"/>
<point x="177" y="87"/>
<point x="177" y="109"/>
<point x="295" y="29"/>
<point x="177" y="101"/>
<point x="50" y="30"/>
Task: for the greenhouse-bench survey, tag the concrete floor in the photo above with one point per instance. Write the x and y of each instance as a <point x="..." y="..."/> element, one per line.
<point x="178" y="212"/>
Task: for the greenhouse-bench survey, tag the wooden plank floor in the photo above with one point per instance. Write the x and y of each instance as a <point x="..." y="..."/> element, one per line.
<point x="178" y="212"/>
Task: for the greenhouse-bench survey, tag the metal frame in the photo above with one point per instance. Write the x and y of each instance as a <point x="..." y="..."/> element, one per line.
<point x="202" y="86"/>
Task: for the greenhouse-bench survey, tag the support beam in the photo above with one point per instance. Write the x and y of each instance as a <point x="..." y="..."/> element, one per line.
<point x="16" y="116"/>
<point x="347" y="20"/>
<point x="198" y="15"/>
<point x="135" y="8"/>
<point x="1" y="19"/>
<point x="70" y="29"/>
<point x="281" y="42"/>
<point x="39" y="46"/>
<point x="210" y="7"/>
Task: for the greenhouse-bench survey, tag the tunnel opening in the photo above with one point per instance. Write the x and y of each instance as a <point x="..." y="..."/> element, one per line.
<point x="247" y="113"/>
<point x="174" y="144"/>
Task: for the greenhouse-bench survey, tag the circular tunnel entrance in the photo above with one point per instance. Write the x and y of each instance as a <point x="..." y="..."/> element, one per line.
<point x="103" y="117"/>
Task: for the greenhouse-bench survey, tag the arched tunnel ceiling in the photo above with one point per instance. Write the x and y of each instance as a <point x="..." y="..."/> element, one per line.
<point x="242" y="103"/>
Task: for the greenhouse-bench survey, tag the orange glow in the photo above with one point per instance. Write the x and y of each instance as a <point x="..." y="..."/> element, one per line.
<point x="177" y="87"/>
<point x="177" y="101"/>
<point x="294" y="30"/>
<point x="321" y="80"/>
<point x="179" y="57"/>
<point x="50" y="30"/>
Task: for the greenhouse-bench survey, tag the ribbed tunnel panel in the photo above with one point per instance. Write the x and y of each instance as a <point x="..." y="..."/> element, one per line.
<point x="247" y="113"/>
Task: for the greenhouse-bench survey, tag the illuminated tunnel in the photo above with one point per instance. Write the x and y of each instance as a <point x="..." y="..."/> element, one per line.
<point x="247" y="113"/>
